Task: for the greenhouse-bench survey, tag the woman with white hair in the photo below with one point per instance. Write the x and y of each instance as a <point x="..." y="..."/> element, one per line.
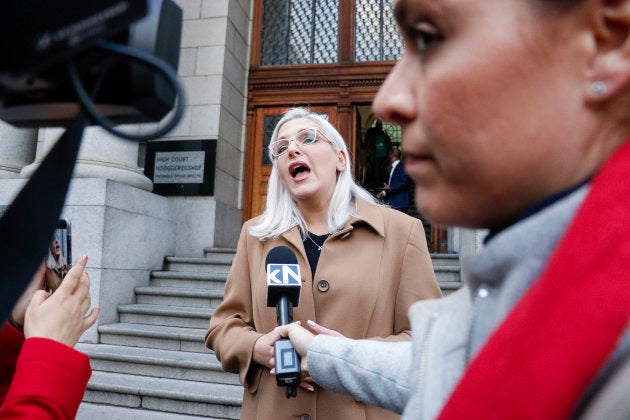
<point x="362" y="265"/>
<point x="56" y="264"/>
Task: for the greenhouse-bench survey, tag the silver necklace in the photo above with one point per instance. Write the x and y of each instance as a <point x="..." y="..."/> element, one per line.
<point x="319" y="247"/>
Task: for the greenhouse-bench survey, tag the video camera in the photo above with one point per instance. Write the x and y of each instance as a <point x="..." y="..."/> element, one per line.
<point x="74" y="63"/>
<point x="39" y="38"/>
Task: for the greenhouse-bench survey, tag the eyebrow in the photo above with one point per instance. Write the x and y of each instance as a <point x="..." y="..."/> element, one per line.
<point x="410" y="10"/>
<point x="300" y="130"/>
<point x="399" y="10"/>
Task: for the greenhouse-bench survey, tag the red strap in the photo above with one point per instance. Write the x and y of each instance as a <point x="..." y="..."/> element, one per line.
<point x="540" y="360"/>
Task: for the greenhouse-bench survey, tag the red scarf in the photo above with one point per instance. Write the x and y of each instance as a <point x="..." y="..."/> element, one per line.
<point x="541" y="359"/>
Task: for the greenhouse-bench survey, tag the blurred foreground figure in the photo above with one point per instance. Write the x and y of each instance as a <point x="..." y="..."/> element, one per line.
<point x="41" y="375"/>
<point x="514" y="116"/>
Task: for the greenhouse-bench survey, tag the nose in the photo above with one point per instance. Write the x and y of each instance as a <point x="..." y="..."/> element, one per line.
<point x="292" y="147"/>
<point x="395" y="101"/>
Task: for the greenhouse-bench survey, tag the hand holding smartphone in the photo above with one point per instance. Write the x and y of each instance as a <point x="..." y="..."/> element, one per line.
<point x="59" y="258"/>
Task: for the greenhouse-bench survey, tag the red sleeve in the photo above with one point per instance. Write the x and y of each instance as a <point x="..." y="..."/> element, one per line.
<point x="11" y="340"/>
<point x="49" y="382"/>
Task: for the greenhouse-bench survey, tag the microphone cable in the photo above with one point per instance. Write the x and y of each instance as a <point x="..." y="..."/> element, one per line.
<point x="132" y="54"/>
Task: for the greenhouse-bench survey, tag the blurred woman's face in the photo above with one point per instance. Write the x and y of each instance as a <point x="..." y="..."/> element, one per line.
<point x="55" y="247"/>
<point x="489" y="95"/>
<point x="308" y="172"/>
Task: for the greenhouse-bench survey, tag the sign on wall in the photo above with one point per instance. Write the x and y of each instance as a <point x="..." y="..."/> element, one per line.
<point x="183" y="167"/>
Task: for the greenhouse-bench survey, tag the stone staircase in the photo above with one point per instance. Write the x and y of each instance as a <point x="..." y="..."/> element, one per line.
<point x="446" y="267"/>
<point x="154" y="365"/>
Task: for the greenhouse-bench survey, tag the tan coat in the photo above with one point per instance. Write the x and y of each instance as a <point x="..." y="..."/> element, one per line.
<point x="375" y="268"/>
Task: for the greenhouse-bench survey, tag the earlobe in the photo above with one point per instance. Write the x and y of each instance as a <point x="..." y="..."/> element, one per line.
<point x="609" y="72"/>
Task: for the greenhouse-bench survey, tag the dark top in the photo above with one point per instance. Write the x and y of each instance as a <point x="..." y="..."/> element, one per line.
<point x="312" y="250"/>
<point x="535" y="208"/>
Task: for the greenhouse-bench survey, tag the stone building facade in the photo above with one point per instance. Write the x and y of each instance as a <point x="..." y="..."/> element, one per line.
<point x="125" y="228"/>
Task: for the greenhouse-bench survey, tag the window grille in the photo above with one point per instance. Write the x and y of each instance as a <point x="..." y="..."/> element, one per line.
<point x="300" y="32"/>
<point x="395" y="133"/>
<point x="269" y="124"/>
<point x="376" y="37"/>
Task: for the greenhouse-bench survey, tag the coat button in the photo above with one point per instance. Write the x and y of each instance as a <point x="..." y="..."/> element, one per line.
<point x="323" y="286"/>
<point x="305" y="417"/>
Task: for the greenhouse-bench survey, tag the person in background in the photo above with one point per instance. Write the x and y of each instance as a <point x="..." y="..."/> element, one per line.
<point x="379" y="145"/>
<point x="515" y="119"/>
<point x="396" y="190"/>
<point x="362" y="265"/>
<point x="41" y="375"/>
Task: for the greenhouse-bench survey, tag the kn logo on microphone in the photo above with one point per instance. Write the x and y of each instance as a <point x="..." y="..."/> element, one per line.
<point x="287" y="274"/>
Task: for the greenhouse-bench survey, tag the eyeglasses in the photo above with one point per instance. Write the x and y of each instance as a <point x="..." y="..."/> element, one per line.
<point x="302" y="138"/>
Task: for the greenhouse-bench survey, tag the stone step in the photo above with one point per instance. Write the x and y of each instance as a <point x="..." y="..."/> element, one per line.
<point x="448" y="287"/>
<point x="89" y="411"/>
<point x="164" y="394"/>
<point x="445" y="259"/>
<point x="444" y="273"/>
<point x="154" y="336"/>
<point x="447" y="271"/>
<point x="179" y="296"/>
<point x="166" y="315"/>
<point x="195" y="280"/>
<point x="199" y="265"/>
<point x="219" y="254"/>
<point x="157" y="363"/>
<point x="447" y="274"/>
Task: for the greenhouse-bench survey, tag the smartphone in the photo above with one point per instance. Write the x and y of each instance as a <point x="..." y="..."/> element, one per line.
<point x="59" y="258"/>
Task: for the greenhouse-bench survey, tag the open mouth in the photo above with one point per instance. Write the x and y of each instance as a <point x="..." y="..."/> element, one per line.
<point x="297" y="168"/>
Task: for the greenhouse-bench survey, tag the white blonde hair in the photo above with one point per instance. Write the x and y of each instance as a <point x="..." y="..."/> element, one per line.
<point x="281" y="211"/>
<point x="50" y="261"/>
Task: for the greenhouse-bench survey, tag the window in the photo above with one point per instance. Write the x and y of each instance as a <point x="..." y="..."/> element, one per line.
<point x="395" y="133"/>
<point x="270" y="122"/>
<point x="376" y="37"/>
<point x="311" y="32"/>
<point x="300" y="32"/>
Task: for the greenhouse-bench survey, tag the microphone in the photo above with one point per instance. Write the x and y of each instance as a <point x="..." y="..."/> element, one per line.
<point x="284" y="285"/>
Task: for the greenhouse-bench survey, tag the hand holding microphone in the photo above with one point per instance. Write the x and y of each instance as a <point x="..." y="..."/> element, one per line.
<point x="301" y="338"/>
<point x="284" y="285"/>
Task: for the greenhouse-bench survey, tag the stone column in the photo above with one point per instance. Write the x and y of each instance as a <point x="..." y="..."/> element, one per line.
<point x="101" y="156"/>
<point x="17" y="149"/>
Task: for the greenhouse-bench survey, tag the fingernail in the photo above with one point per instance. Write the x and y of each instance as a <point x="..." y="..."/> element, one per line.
<point x="273" y="371"/>
<point x="311" y="323"/>
<point x="85" y="258"/>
